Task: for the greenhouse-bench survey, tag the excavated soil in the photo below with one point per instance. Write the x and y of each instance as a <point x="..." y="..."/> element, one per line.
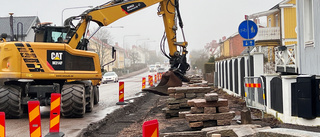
<point x="128" y="120"/>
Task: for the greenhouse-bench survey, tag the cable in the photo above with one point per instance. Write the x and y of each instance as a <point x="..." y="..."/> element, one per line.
<point x="167" y="7"/>
<point x="162" y="45"/>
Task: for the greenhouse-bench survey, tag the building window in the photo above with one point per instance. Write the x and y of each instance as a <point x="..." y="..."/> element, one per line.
<point x="269" y="22"/>
<point x="308" y="22"/>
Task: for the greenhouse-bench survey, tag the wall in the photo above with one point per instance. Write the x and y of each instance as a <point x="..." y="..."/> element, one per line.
<point x="225" y="48"/>
<point x="273" y="20"/>
<point x="289" y="24"/>
<point x="236" y="45"/>
<point x="308" y="56"/>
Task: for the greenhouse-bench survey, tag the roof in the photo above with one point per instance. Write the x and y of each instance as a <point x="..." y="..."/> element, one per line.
<point x="272" y="10"/>
<point x="27" y="21"/>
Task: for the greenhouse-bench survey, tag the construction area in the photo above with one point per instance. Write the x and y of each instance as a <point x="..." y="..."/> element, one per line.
<point x="194" y="110"/>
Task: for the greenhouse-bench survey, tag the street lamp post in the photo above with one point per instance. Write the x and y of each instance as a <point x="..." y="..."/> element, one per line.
<point x="148" y="43"/>
<point x="125" y="37"/>
<point x="141" y="40"/>
<point x="72" y="8"/>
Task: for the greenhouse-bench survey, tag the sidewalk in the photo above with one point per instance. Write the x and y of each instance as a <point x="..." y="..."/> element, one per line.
<point x="133" y="73"/>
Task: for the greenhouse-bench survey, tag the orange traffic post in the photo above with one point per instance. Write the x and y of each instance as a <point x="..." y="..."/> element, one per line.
<point x="2" y="124"/>
<point x="55" y="115"/>
<point x="121" y="94"/>
<point x="34" y="118"/>
<point x="150" y="128"/>
<point x="143" y="82"/>
<point x="151" y="81"/>
<point x="155" y="79"/>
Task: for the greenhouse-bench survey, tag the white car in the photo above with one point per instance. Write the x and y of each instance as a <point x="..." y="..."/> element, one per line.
<point x="152" y="68"/>
<point x="161" y="70"/>
<point x="109" y="76"/>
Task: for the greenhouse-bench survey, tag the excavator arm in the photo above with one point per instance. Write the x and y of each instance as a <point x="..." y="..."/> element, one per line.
<point x="111" y="11"/>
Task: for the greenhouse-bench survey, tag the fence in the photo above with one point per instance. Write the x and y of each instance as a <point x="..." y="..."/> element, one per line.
<point x="255" y="93"/>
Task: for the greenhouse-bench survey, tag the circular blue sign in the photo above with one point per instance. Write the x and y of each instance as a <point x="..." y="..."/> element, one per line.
<point x="248" y="29"/>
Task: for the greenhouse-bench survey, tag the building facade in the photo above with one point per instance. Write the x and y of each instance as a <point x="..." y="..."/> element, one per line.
<point x="22" y="27"/>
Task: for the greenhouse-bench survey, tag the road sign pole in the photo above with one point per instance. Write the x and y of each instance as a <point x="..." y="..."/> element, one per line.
<point x="248" y="30"/>
<point x="249" y="68"/>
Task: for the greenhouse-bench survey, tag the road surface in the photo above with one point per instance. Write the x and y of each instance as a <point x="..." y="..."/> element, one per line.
<point x="109" y="96"/>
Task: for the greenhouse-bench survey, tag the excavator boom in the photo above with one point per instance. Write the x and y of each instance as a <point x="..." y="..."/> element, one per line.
<point x="169" y="9"/>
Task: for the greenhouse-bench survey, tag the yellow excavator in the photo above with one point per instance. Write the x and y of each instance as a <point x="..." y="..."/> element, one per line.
<point x="57" y="60"/>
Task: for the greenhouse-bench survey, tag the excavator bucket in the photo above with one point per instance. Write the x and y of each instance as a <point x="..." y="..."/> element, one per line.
<point x="169" y="79"/>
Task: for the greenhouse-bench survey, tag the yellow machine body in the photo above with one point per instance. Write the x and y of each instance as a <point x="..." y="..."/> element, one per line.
<point x="35" y="60"/>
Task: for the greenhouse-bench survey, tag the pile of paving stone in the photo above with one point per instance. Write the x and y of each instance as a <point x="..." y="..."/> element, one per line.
<point x="224" y="131"/>
<point x="179" y="97"/>
<point x="249" y="130"/>
<point x="208" y="112"/>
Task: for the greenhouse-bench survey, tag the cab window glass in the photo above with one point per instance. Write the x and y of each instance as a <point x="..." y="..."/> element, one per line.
<point x="58" y="37"/>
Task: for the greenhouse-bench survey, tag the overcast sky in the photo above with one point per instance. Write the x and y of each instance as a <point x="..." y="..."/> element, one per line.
<point x="204" y="20"/>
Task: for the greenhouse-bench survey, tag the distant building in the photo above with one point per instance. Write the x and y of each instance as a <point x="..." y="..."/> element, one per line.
<point x="231" y="46"/>
<point x="280" y="29"/>
<point x="141" y="52"/>
<point x="103" y="50"/>
<point x="25" y="24"/>
<point x="211" y="48"/>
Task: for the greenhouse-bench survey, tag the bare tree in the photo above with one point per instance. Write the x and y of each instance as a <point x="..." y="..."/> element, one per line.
<point x="134" y="56"/>
<point x="100" y="44"/>
<point x="198" y="58"/>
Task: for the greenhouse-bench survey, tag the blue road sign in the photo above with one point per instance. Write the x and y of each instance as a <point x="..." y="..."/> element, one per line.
<point x="248" y="29"/>
<point x="248" y="43"/>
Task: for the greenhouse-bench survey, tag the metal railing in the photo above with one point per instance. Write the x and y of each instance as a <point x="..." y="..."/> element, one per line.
<point x="270" y="33"/>
<point x="255" y="93"/>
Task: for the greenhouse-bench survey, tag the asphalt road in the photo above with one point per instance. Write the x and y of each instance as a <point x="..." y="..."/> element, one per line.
<point x="109" y="96"/>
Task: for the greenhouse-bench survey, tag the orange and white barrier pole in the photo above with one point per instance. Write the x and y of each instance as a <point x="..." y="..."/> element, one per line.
<point x="55" y="112"/>
<point x="150" y="128"/>
<point x="151" y="80"/>
<point x="143" y="83"/>
<point x="34" y="118"/>
<point x="55" y="116"/>
<point x="121" y="94"/>
<point x="2" y="124"/>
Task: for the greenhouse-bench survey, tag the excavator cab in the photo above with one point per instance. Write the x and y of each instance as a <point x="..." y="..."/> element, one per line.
<point x="52" y="34"/>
